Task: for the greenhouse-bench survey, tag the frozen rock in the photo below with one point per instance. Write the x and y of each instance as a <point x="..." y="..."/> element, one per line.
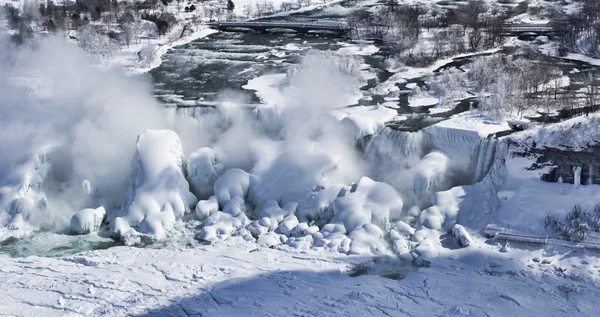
<point x="287" y="225"/>
<point x="431" y="218"/>
<point x="258" y="228"/>
<point x="87" y="220"/>
<point x="371" y="202"/>
<point x="400" y="244"/>
<point x="404" y="229"/>
<point x="159" y="192"/>
<point x="461" y="235"/>
<point x="235" y="182"/>
<point x="25" y="209"/>
<point x="302" y="243"/>
<point x="272" y="210"/>
<point x="367" y="239"/>
<point x="235" y="206"/>
<point x="204" y="168"/>
<point x="333" y="228"/>
<point x="205" y="208"/>
<point x="303" y="229"/>
<point x="221" y="225"/>
<point x="270" y="239"/>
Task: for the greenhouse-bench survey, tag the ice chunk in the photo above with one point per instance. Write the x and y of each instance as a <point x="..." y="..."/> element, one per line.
<point x="271" y="239"/>
<point x="221" y="225"/>
<point x="461" y="235"/>
<point x="87" y="220"/>
<point x="287" y="225"/>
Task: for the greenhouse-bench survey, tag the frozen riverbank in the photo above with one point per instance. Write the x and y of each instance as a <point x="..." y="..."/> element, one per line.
<point x="231" y="279"/>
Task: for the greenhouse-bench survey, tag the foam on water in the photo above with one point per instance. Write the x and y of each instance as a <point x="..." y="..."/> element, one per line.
<point x="50" y="244"/>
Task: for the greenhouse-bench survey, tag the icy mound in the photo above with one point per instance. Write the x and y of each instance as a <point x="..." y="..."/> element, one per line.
<point x="283" y="200"/>
<point x="368" y="202"/>
<point x="204" y="167"/>
<point x="87" y="220"/>
<point x="235" y="182"/>
<point x="159" y="192"/>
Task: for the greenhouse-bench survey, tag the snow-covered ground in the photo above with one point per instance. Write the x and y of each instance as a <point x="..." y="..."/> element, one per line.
<point x="236" y="278"/>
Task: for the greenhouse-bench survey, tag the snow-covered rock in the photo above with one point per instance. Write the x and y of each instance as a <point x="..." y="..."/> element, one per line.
<point x="204" y="168"/>
<point x="87" y="220"/>
<point x="370" y="202"/>
<point x="221" y="225"/>
<point x="234" y="182"/>
<point x="159" y="192"/>
<point x="205" y="208"/>
<point x="271" y="209"/>
<point x="462" y="235"/>
<point x="286" y="226"/>
<point x="367" y="239"/>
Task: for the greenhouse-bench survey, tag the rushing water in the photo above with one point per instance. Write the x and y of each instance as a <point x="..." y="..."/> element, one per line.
<point x="196" y="74"/>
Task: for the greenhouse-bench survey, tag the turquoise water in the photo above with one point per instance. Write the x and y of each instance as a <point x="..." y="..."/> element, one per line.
<point x="49" y="244"/>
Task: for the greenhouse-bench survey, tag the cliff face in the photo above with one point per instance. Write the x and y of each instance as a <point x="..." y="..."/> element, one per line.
<point x="565" y="165"/>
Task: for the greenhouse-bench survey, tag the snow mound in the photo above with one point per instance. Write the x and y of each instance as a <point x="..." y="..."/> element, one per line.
<point x="368" y="202"/>
<point x="158" y="192"/>
<point x="87" y="220"/>
<point x="204" y="168"/>
<point x="235" y="182"/>
<point x="205" y="208"/>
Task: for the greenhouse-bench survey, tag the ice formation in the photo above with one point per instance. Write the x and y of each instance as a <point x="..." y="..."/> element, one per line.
<point x="462" y="235"/>
<point x="203" y="168"/>
<point x="159" y="192"/>
<point x="87" y="220"/>
<point x="368" y="202"/>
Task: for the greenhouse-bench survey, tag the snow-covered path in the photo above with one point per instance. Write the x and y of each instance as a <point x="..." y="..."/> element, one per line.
<point x="238" y="280"/>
